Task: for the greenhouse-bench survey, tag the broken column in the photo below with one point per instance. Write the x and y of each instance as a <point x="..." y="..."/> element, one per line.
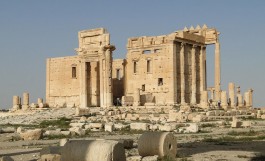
<point x="16" y="104"/>
<point x="248" y="98"/>
<point x="136" y="97"/>
<point x="93" y="150"/>
<point x="231" y="88"/>
<point x="25" y="101"/>
<point x="239" y="100"/>
<point x="193" y="75"/>
<point x="157" y="143"/>
<point x="204" y="99"/>
<point x="224" y="100"/>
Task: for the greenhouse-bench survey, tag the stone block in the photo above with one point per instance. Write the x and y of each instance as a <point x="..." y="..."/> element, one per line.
<point x="134" y="158"/>
<point x="150" y="158"/>
<point x="127" y="143"/>
<point x="236" y="124"/>
<point x="109" y="127"/>
<point x="193" y="128"/>
<point x="157" y="143"/>
<point x="78" y="130"/>
<point x="6" y="158"/>
<point x="35" y="134"/>
<point x="246" y="124"/>
<point x="93" y="150"/>
<point x="51" y="157"/>
<point x="167" y="128"/>
<point x="139" y="126"/>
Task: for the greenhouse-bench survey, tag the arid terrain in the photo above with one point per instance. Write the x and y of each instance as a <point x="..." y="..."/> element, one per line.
<point x="215" y="140"/>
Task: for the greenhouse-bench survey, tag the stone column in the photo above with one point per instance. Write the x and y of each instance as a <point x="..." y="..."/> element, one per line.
<point x="204" y="100"/>
<point x="182" y="74"/>
<point x="136" y="97"/>
<point x="239" y="100"/>
<point x="108" y="74"/>
<point x="193" y="75"/>
<point x="246" y="99"/>
<point x="101" y="77"/>
<point x="83" y="84"/>
<point x="25" y="100"/>
<point x="202" y="69"/>
<point x="217" y="72"/>
<point x="231" y="88"/>
<point x="250" y="97"/>
<point x="224" y="100"/>
<point x="16" y="104"/>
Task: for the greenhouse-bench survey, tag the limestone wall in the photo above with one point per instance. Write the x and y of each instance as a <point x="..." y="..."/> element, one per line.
<point x="62" y="87"/>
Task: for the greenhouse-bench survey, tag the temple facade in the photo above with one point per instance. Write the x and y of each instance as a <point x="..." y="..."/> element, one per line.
<point x="158" y="70"/>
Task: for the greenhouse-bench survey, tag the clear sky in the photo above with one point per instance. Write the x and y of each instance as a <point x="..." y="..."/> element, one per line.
<point x="32" y="31"/>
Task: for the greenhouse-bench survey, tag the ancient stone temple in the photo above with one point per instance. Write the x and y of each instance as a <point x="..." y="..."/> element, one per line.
<point x="158" y="70"/>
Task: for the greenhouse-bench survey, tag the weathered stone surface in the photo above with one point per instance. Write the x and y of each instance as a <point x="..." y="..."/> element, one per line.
<point x="157" y="143"/>
<point x="139" y="126"/>
<point x="51" y="157"/>
<point x="35" y="134"/>
<point x="150" y="158"/>
<point x="93" y="150"/>
<point x="134" y="158"/>
<point x="6" y="158"/>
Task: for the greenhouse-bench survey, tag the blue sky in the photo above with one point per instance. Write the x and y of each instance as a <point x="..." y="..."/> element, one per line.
<point x="32" y="31"/>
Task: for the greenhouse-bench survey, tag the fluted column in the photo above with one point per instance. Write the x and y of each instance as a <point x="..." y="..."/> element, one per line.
<point x="217" y="72"/>
<point x="182" y="74"/>
<point x="193" y="75"/>
<point x="108" y="74"/>
<point x="83" y="85"/>
<point x="202" y="69"/>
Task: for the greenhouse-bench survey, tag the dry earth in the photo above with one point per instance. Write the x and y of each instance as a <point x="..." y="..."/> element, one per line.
<point x="207" y="145"/>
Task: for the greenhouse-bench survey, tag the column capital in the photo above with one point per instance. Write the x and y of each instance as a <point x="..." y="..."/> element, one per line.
<point x="182" y="44"/>
<point x="109" y="47"/>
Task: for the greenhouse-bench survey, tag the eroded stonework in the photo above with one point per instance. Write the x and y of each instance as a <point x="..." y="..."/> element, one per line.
<point x="158" y="70"/>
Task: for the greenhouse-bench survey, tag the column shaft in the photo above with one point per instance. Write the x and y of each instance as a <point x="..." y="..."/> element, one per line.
<point x="182" y="74"/>
<point x="193" y="75"/>
<point x="217" y="72"/>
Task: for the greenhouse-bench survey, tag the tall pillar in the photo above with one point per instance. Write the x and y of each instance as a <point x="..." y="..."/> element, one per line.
<point x="239" y="100"/>
<point x="25" y="101"/>
<point x="204" y="100"/>
<point x="231" y="88"/>
<point x="108" y="74"/>
<point x="217" y="72"/>
<point x="250" y="91"/>
<point x="193" y="75"/>
<point x="83" y="84"/>
<point x="202" y="69"/>
<point x="182" y="74"/>
<point x="246" y="99"/>
<point x="101" y="77"/>
<point x="16" y="104"/>
<point x="224" y="100"/>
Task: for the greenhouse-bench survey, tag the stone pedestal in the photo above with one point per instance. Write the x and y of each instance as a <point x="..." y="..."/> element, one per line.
<point x="232" y="95"/>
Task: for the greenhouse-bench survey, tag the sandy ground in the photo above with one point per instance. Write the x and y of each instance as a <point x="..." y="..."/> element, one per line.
<point x="190" y="146"/>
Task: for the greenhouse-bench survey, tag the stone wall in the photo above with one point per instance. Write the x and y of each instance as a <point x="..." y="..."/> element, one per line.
<point x="62" y="84"/>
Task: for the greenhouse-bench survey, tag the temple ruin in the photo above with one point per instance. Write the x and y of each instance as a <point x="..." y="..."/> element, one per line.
<point x="158" y="71"/>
